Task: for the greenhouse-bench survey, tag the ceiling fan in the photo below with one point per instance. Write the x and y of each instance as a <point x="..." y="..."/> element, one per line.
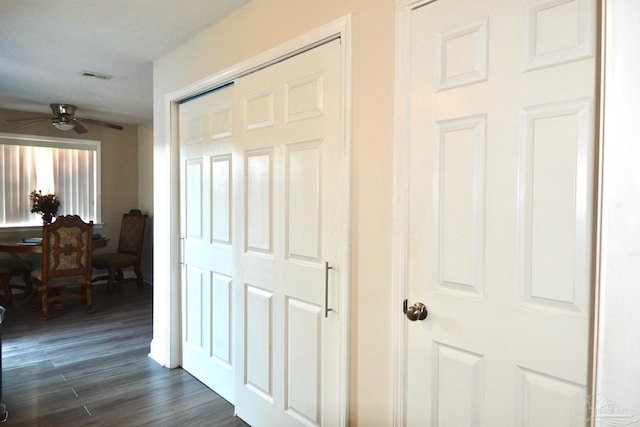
<point x="64" y="119"/>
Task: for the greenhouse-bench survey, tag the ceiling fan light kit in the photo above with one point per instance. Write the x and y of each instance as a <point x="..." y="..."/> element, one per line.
<point x="64" y="119"/>
<point x="62" y="125"/>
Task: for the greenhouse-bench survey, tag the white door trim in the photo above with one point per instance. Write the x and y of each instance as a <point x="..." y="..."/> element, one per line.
<point x="404" y="9"/>
<point x="168" y="301"/>
<point x="399" y="226"/>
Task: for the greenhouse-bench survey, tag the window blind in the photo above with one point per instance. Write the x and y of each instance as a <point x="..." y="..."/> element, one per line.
<point x="68" y="168"/>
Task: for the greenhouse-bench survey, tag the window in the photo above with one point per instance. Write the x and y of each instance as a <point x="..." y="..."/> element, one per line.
<point x="66" y="167"/>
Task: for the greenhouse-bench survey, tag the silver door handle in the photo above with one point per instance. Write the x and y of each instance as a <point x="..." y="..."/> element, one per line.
<point x="326" y="289"/>
<point x="417" y="311"/>
<point x="181" y="250"/>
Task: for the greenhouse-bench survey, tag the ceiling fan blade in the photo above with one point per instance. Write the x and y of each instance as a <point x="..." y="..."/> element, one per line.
<point x="32" y="123"/>
<point x="78" y="128"/>
<point x="40" y="118"/>
<point x="100" y="123"/>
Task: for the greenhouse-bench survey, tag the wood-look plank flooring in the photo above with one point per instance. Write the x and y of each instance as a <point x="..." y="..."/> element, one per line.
<point x="79" y="369"/>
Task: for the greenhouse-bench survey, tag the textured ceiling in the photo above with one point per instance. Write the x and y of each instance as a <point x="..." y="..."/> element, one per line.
<point x="45" y="46"/>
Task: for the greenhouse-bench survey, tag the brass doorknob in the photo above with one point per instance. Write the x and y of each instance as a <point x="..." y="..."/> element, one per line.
<point x="417" y="311"/>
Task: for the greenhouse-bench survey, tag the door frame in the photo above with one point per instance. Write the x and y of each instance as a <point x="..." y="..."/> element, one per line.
<point x="400" y="212"/>
<point x="168" y="300"/>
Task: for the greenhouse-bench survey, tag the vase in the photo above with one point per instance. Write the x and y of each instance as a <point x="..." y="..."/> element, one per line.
<point x="47" y="217"/>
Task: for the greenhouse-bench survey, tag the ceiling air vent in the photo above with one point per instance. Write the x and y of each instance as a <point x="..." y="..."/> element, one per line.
<point x="93" y="74"/>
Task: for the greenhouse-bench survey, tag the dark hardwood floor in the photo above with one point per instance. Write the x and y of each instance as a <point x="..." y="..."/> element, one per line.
<point x="79" y="369"/>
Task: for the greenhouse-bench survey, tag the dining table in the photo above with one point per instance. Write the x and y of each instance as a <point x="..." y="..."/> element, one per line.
<point x="32" y="247"/>
<point x="17" y="248"/>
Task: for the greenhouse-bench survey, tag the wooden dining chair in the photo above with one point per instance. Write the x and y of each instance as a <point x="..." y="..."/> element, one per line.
<point x="10" y="267"/>
<point x="128" y="254"/>
<point x="66" y="263"/>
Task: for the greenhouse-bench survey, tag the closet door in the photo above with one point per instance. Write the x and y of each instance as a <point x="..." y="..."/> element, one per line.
<point x="206" y="162"/>
<point x="289" y="185"/>
<point x="264" y="179"/>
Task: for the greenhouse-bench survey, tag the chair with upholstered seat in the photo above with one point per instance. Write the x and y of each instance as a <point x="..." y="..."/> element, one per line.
<point x="10" y="267"/>
<point x="128" y="254"/>
<point x="66" y="263"/>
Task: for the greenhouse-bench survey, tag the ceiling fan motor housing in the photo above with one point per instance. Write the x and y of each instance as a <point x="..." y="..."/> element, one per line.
<point x="63" y="109"/>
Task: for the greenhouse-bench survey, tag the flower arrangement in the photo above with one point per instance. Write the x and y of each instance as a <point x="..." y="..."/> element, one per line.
<point x="45" y="204"/>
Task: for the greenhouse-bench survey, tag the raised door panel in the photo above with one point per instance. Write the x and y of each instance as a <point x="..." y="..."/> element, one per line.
<point x="555" y="158"/>
<point x="193" y="208"/>
<point x="303" y="357"/>
<point x="221" y="320"/>
<point x="459" y="175"/>
<point x="221" y="200"/>
<point x="258" y="354"/>
<point x="303" y="201"/>
<point x="259" y="201"/>
<point x="457" y="387"/>
<point x="195" y="295"/>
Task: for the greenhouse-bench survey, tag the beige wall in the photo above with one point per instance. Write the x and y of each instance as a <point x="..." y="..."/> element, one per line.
<point x="145" y="193"/>
<point x="119" y="167"/>
<point x="256" y="28"/>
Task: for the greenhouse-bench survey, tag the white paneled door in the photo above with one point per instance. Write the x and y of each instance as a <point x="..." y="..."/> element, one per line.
<point x="206" y="156"/>
<point x="499" y="171"/>
<point x="264" y="180"/>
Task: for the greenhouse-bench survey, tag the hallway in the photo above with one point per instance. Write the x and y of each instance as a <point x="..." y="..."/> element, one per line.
<point x="79" y="369"/>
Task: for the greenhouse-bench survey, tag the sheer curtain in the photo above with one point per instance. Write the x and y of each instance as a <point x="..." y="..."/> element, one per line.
<point x="68" y="170"/>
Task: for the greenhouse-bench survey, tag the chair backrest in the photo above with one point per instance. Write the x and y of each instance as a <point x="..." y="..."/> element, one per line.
<point x="132" y="232"/>
<point x="66" y="248"/>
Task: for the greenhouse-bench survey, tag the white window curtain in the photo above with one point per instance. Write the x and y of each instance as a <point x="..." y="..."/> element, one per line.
<point x="68" y="168"/>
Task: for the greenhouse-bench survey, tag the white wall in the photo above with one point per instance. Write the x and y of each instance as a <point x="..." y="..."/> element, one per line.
<point x="618" y="358"/>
